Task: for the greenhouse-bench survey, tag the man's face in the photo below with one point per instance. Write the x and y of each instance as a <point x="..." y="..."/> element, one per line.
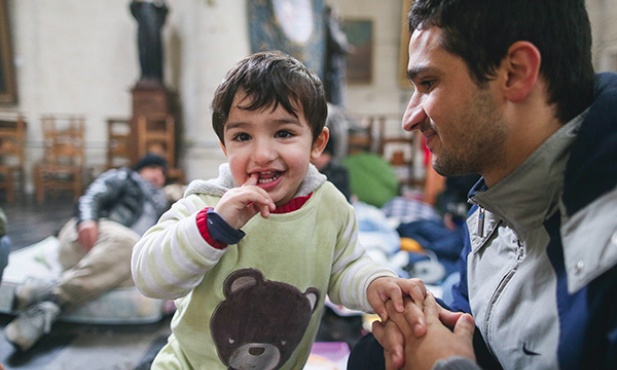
<point x="461" y="121"/>
<point x="154" y="174"/>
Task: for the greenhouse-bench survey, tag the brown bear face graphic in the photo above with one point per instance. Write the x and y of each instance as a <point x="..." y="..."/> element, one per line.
<point x="261" y="322"/>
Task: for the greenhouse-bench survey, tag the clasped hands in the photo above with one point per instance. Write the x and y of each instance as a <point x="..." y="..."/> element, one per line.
<point x="423" y="334"/>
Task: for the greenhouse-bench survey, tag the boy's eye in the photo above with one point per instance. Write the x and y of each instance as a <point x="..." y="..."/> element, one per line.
<point x="284" y="134"/>
<point x="241" y="137"/>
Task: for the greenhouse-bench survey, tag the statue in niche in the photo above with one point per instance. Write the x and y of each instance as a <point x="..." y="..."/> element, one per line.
<point x="150" y="16"/>
<point x="337" y="49"/>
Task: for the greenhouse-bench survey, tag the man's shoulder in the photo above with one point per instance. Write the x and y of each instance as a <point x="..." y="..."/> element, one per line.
<point x="121" y="172"/>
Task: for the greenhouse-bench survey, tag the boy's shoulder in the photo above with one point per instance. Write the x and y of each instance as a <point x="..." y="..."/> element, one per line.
<point x="330" y="197"/>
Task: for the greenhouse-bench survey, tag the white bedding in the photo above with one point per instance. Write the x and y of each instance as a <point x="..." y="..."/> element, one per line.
<point x="119" y="306"/>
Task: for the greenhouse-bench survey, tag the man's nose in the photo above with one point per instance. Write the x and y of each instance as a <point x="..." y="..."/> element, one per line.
<point x="414" y="113"/>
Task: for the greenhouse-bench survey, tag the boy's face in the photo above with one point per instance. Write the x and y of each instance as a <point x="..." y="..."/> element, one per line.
<point x="272" y="143"/>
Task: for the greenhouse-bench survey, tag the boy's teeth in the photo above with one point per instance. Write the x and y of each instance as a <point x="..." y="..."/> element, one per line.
<point x="266" y="177"/>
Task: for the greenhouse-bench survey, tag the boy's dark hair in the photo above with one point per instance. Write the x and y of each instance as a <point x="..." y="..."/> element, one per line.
<point x="271" y="77"/>
<point x="481" y="31"/>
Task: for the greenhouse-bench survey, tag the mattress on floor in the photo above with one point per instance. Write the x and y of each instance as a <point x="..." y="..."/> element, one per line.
<point x="119" y="306"/>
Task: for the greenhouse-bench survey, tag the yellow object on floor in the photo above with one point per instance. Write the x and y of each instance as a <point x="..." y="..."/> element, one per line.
<point x="410" y="245"/>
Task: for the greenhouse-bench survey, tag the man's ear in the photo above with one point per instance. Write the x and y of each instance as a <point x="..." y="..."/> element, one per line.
<point x="320" y="143"/>
<point x="522" y="65"/>
<point x="222" y="144"/>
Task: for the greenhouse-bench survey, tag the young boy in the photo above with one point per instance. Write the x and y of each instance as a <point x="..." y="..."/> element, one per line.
<point x="253" y="298"/>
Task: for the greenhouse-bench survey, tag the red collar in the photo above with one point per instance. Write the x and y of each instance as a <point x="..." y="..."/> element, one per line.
<point x="293" y="205"/>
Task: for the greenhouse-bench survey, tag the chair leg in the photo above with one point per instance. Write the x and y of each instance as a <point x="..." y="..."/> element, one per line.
<point x="77" y="186"/>
<point x="39" y="189"/>
<point x="10" y="192"/>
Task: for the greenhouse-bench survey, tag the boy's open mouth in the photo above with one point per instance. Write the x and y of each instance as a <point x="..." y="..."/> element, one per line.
<point x="268" y="177"/>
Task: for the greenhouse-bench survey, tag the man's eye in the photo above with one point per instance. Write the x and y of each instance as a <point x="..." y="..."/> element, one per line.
<point x="427" y="84"/>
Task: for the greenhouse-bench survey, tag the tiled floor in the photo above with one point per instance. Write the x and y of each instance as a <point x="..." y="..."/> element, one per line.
<point x="74" y="346"/>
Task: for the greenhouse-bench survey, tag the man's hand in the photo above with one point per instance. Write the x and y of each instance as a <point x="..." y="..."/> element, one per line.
<point x="87" y="234"/>
<point x="447" y="334"/>
<point x="392" y="340"/>
<point x="238" y="205"/>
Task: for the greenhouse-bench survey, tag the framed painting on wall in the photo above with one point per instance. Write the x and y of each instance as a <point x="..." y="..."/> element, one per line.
<point x="404" y="46"/>
<point x="7" y="73"/>
<point x="359" y="34"/>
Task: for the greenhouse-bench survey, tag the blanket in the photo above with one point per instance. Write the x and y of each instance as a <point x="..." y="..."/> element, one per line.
<point x="119" y="306"/>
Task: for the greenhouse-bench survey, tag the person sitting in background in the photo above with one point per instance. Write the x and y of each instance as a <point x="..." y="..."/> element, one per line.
<point x="95" y="247"/>
<point x="336" y="172"/>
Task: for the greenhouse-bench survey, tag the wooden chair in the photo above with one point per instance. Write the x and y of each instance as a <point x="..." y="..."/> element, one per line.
<point x="118" y="143"/>
<point x="62" y="167"/>
<point x="12" y="156"/>
<point x="400" y="149"/>
<point x="158" y="135"/>
<point x="361" y="137"/>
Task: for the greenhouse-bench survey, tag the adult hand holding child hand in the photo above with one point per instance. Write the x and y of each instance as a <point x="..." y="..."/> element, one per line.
<point x="448" y="334"/>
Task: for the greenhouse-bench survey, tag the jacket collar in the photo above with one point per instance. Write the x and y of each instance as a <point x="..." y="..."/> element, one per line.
<point x="524" y="198"/>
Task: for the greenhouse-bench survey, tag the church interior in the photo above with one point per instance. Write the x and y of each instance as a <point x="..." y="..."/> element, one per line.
<point x="87" y="86"/>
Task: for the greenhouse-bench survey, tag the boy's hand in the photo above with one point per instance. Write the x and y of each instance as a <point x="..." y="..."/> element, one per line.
<point x="395" y="289"/>
<point x="238" y="205"/>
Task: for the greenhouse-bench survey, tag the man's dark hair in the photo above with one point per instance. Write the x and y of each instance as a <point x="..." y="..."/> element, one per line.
<point x="481" y="31"/>
<point x="271" y="77"/>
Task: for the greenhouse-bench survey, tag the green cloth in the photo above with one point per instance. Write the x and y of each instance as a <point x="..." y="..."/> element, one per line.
<point x="372" y="178"/>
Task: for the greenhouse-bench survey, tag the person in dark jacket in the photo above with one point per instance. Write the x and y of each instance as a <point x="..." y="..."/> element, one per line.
<point x="336" y="172"/>
<point x="95" y="247"/>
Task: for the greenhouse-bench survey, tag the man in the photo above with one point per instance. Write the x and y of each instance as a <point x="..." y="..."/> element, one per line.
<point x="95" y="247"/>
<point x="506" y="89"/>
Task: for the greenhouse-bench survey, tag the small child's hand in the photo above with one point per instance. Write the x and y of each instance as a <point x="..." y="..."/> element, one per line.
<point x="388" y="288"/>
<point x="238" y="205"/>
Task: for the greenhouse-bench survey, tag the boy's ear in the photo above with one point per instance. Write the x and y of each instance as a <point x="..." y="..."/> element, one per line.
<point x="522" y="65"/>
<point x="222" y="144"/>
<point x="320" y="143"/>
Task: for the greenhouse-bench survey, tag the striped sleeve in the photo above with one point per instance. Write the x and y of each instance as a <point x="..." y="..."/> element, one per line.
<point x="353" y="270"/>
<point x="172" y="257"/>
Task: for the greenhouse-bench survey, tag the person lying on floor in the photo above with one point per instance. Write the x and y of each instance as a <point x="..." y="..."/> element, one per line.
<point x="95" y="247"/>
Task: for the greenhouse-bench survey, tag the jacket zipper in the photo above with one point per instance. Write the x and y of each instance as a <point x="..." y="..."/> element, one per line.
<point x="500" y="288"/>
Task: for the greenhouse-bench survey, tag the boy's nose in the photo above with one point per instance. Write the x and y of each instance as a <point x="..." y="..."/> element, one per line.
<point x="264" y="151"/>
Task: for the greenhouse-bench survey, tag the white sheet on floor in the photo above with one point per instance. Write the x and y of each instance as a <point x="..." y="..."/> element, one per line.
<point x="120" y="306"/>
